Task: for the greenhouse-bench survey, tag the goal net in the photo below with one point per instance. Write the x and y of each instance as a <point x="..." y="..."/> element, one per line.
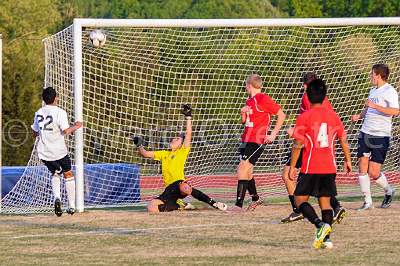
<point x="137" y="82"/>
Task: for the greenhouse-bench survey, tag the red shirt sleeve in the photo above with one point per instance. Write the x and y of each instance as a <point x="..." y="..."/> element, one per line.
<point x="305" y="104"/>
<point x="300" y="128"/>
<point x="269" y="105"/>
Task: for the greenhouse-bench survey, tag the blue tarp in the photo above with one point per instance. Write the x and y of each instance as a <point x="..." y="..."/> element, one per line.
<point x="106" y="183"/>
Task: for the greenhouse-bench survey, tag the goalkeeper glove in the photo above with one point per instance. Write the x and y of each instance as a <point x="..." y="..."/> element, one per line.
<point x="187" y="111"/>
<point x="138" y="141"/>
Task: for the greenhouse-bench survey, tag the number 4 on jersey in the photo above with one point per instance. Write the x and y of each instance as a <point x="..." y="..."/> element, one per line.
<point x="323" y="136"/>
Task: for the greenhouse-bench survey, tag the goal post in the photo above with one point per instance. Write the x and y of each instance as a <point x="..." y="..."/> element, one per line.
<point x="136" y="83"/>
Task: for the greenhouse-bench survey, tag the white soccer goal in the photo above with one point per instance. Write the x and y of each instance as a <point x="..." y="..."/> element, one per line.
<point x="136" y="83"/>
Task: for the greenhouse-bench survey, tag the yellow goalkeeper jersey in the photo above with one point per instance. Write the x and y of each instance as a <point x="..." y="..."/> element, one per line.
<point x="172" y="164"/>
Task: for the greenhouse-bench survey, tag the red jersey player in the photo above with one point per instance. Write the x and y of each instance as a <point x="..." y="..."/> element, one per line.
<point x="317" y="130"/>
<point x="256" y="116"/>
<point x="339" y="211"/>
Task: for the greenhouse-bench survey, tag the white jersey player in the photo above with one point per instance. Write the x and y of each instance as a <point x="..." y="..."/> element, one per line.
<point x="50" y="125"/>
<point x="373" y="142"/>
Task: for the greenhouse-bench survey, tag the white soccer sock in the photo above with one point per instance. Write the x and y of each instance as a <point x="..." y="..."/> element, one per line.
<point x="70" y="187"/>
<point x="56" y="186"/>
<point x="382" y="182"/>
<point x="365" y="187"/>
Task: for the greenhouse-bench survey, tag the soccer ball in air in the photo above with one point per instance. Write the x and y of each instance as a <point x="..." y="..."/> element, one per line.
<point x="97" y="38"/>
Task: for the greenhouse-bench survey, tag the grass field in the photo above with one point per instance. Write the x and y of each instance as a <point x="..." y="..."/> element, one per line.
<point x="204" y="236"/>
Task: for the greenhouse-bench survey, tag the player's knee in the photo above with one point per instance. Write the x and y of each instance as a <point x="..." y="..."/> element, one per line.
<point x="185" y="189"/>
<point x="243" y="170"/>
<point x="69" y="175"/>
<point x="374" y="174"/>
<point x="153" y="206"/>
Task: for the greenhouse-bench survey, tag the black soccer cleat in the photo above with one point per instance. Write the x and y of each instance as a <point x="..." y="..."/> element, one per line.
<point x="339" y="214"/>
<point x="57" y="207"/>
<point x="387" y="200"/>
<point x="71" y="211"/>
<point x="294" y="216"/>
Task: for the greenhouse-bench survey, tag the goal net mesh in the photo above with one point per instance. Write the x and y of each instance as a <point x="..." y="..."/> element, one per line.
<point x="137" y="82"/>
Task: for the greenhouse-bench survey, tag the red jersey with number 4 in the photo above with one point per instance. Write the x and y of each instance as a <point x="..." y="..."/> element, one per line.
<point x="317" y="129"/>
<point x="306" y="104"/>
<point x="257" y="122"/>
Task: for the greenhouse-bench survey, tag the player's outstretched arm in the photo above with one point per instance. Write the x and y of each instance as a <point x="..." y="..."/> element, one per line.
<point x="385" y="110"/>
<point x="187" y="112"/>
<point x="356" y="117"/>
<point x="279" y="122"/>
<point x="72" y="129"/>
<point x="296" y="149"/>
<point x="138" y="141"/>
<point x="345" y="147"/>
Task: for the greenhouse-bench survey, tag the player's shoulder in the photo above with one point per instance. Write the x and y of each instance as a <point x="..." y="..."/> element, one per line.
<point x="391" y="89"/>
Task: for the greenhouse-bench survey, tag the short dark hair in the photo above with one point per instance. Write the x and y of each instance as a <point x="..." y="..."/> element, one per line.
<point x="308" y="77"/>
<point x="49" y="95"/>
<point x="381" y="70"/>
<point x="316" y="91"/>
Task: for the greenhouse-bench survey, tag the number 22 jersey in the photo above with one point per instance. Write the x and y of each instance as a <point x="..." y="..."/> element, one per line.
<point x="50" y="121"/>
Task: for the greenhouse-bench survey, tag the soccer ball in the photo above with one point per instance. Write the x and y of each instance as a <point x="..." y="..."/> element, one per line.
<point x="97" y="38"/>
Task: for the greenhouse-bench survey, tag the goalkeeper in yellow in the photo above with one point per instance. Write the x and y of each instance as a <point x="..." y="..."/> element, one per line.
<point x="172" y="164"/>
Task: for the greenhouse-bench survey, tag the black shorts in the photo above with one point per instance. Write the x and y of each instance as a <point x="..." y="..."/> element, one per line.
<point x="170" y="195"/>
<point x="289" y="158"/>
<point x="252" y="150"/>
<point x="59" y="166"/>
<point x="317" y="185"/>
<point x="374" y="147"/>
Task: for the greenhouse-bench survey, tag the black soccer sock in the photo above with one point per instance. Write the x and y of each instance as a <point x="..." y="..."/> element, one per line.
<point x="197" y="194"/>
<point x="327" y="216"/>
<point x="308" y="211"/>
<point x="241" y="192"/>
<point x="295" y="209"/>
<point x="253" y="190"/>
<point x="335" y="203"/>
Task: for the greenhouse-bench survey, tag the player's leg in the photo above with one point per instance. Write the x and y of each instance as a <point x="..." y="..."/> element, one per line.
<point x="243" y="182"/>
<point x="69" y="178"/>
<point x="378" y="156"/>
<point x="327" y="218"/>
<point x="363" y="153"/>
<point x="157" y="205"/>
<point x="55" y="170"/>
<point x="249" y="155"/>
<point x="187" y="190"/>
<point x="256" y="200"/>
<point x="290" y="187"/>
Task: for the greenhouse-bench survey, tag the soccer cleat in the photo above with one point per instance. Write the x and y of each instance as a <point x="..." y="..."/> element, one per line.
<point x="387" y="200"/>
<point x="189" y="206"/>
<point x="339" y="214"/>
<point x="322" y="232"/>
<point x="366" y="206"/>
<point x="294" y="216"/>
<point x="57" y="207"/>
<point x="327" y="244"/>
<point x="71" y="211"/>
<point x="220" y="206"/>
<point x="254" y="204"/>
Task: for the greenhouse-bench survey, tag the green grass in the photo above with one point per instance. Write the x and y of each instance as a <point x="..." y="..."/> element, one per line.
<point x="130" y="236"/>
